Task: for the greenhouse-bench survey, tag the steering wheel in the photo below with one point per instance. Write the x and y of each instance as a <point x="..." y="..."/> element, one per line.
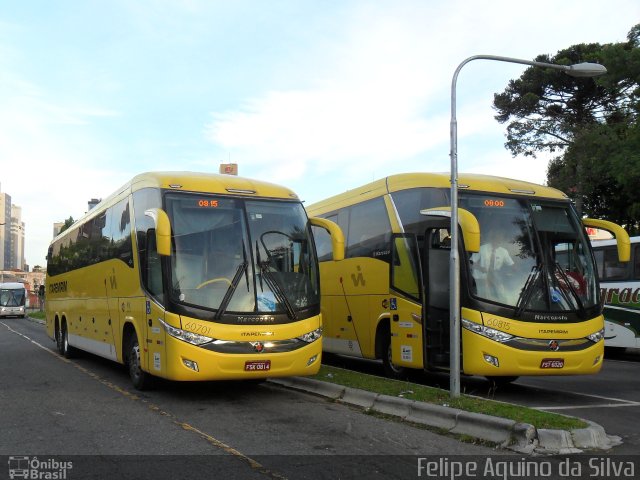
<point x="213" y="280"/>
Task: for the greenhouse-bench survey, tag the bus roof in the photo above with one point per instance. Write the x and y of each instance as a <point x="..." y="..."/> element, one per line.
<point x="210" y="183"/>
<point x="405" y="181"/>
<point x="192" y="182"/>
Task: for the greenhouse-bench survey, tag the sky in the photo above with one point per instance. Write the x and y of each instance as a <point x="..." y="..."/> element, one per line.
<point x="321" y="96"/>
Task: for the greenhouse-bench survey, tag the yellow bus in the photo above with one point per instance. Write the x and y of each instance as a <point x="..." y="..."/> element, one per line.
<point x="529" y="289"/>
<point x="190" y="276"/>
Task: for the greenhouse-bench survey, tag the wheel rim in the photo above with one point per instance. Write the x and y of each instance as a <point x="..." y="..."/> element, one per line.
<point x="393" y="368"/>
<point x="134" y="361"/>
<point x="59" y="341"/>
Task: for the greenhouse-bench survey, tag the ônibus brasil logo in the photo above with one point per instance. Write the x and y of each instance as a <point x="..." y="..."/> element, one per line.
<point x="33" y="468"/>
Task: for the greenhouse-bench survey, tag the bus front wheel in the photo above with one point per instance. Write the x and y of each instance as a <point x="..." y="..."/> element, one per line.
<point x="390" y="370"/>
<point x="141" y="380"/>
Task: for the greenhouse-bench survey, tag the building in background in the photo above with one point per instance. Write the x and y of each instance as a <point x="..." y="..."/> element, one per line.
<point x="12" y="235"/>
<point x="56" y="228"/>
<point x="16" y="247"/>
<point x="5" y="228"/>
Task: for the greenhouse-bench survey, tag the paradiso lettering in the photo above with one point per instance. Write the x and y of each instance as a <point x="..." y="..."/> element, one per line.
<point x="58" y="287"/>
<point x="620" y="295"/>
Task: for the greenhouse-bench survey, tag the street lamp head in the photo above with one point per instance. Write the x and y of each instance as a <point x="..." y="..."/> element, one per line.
<point x="586" y="69"/>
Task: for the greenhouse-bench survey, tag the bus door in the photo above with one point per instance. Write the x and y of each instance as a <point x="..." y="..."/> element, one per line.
<point x="405" y="305"/>
<point x="148" y="312"/>
<point x="154" y="347"/>
<point x="436" y="264"/>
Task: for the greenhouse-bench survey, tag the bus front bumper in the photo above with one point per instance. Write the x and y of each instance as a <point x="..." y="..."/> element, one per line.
<point x="186" y="362"/>
<point x="483" y="356"/>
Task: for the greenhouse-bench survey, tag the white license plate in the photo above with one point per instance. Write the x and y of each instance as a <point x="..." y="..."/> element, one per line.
<point x="257" y="366"/>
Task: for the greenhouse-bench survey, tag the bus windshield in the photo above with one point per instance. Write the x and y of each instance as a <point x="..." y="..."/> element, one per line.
<point x="12" y="297"/>
<point x="534" y="255"/>
<point x="241" y="256"/>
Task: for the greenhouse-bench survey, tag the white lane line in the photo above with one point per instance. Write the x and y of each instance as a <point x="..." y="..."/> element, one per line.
<point x="604" y="405"/>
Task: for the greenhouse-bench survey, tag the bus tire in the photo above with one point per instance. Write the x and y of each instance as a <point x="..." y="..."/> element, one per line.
<point x="141" y="380"/>
<point x="59" y="342"/>
<point x="67" y="350"/>
<point x="390" y="370"/>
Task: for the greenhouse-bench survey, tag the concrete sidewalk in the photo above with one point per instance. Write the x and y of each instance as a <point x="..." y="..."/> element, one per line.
<point x="520" y="437"/>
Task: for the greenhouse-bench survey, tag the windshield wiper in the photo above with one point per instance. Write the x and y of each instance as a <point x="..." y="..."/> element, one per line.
<point x="572" y="289"/>
<point x="527" y="290"/>
<point x="232" y="288"/>
<point x="277" y="290"/>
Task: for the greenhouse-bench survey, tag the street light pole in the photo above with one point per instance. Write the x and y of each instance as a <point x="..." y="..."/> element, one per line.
<point x="577" y="70"/>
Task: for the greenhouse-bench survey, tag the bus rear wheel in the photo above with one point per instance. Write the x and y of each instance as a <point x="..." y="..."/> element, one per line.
<point x="141" y="380"/>
<point x="59" y="341"/>
<point x="62" y="341"/>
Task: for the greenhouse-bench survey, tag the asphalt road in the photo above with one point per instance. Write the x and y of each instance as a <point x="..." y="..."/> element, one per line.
<point x="86" y="410"/>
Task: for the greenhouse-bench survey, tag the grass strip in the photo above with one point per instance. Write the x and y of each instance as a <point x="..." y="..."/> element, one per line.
<point x="422" y="393"/>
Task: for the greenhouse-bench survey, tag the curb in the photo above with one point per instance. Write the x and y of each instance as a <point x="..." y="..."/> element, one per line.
<point x="520" y="437"/>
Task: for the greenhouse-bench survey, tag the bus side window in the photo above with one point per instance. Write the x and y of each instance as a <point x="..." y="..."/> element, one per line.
<point x="322" y="240"/>
<point x="599" y="256"/>
<point x="636" y="262"/>
<point x="150" y="270"/>
<point x="153" y="273"/>
<point x="369" y="230"/>
<point x="613" y="269"/>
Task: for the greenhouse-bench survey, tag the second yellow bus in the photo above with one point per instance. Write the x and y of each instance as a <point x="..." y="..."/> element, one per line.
<point x="529" y="292"/>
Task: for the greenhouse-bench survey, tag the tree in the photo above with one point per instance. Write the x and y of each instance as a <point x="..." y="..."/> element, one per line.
<point x="592" y="124"/>
<point x="67" y="223"/>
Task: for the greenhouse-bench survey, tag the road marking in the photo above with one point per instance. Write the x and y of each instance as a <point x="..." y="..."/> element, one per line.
<point x="604" y="405"/>
<point x="620" y="402"/>
<point x="131" y="396"/>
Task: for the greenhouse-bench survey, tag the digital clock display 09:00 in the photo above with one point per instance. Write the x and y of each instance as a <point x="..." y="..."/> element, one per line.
<point x="489" y="202"/>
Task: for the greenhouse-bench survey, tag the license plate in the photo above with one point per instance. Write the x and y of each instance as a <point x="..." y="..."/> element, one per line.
<point x="552" y="363"/>
<point x="257" y="366"/>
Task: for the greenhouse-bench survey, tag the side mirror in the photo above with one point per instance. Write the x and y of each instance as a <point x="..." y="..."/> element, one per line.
<point x="467" y="221"/>
<point x="620" y="234"/>
<point x="163" y="230"/>
<point x="337" y="237"/>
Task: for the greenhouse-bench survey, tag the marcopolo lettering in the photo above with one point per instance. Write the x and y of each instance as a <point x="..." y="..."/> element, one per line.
<point x="58" y="287"/>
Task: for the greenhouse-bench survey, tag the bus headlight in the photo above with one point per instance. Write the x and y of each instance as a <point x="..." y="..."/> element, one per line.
<point x="490" y="333"/>
<point x="185" y="336"/>
<point x="597" y="336"/>
<point x="311" y="336"/>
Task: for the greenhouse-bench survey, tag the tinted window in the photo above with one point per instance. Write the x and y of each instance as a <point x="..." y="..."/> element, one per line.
<point x="612" y="269"/>
<point x="409" y="203"/>
<point x="369" y="231"/>
<point x="150" y="270"/>
<point x="101" y="238"/>
<point x="323" y="239"/>
<point x="636" y="262"/>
